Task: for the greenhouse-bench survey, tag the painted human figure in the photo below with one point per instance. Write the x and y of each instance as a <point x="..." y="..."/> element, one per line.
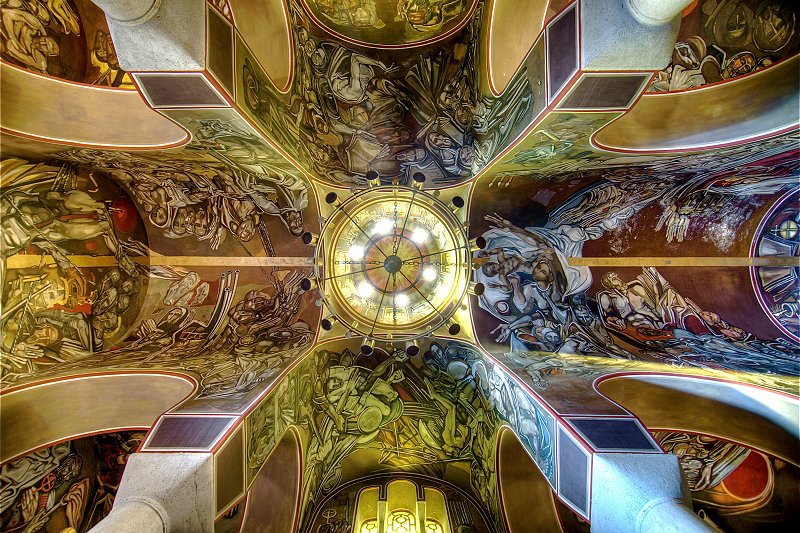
<point x="626" y="304"/>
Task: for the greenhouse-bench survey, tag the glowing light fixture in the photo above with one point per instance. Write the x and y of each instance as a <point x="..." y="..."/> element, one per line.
<point x="364" y="289"/>
<point x="429" y="274"/>
<point x="356" y="252"/>
<point x="383" y="226"/>
<point x="383" y="272"/>
<point x="419" y="236"/>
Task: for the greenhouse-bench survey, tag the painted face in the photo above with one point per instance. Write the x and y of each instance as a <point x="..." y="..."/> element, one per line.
<point x="200" y="223"/>
<point x="44" y="335"/>
<point x="685" y="56"/>
<point x="440" y="141"/>
<point x="739" y="64"/>
<point x="294" y="219"/>
<point x="583" y="314"/>
<point x="48" y="46"/>
<point x="413" y="155"/>
<point x="159" y="216"/>
<point x="490" y="269"/>
<point x="541" y="272"/>
<point x="246" y="230"/>
<point x="613" y="281"/>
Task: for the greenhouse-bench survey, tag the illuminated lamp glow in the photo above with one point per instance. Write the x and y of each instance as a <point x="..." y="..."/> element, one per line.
<point x="401" y="300"/>
<point x="356" y="252"/>
<point x="429" y="274"/>
<point x="419" y="236"/>
<point x="383" y="226"/>
<point x="364" y="289"/>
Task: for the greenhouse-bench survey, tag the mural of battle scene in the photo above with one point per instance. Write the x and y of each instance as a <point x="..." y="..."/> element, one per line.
<point x="390" y="22"/>
<point x="84" y="286"/>
<point x="66" y="39"/>
<point x="436" y="414"/>
<point x="396" y="113"/>
<point x="540" y="298"/>
<point x="65" y="488"/>
<point x="724" y="39"/>
<point x="735" y="487"/>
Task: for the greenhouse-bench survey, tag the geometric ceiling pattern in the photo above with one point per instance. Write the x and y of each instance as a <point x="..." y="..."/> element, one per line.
<point x="638" y="199"/>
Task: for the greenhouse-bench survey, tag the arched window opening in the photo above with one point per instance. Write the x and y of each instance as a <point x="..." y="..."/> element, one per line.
<point x="401" y="521"/>
<point x="369" y="526"/>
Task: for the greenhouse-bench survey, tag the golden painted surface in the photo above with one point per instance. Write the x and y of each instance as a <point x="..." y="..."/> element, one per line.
<point x="265" y="28"/>
<point x="710" y="116"/>
<point x="28" y="261"/>
<point x="661" y="404"/>
<point x="513" y="30"/>
<point x="87" y="115"/>
<point x="35" y="416"/>
<point x="683" y="261"/>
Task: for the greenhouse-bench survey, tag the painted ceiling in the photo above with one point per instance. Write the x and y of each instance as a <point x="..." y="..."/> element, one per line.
<point x="636" y="222"/>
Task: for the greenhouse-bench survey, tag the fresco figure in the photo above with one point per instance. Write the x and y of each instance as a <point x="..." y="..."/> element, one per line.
<point x="348" y="114"/>
<point x="735" y="487"/>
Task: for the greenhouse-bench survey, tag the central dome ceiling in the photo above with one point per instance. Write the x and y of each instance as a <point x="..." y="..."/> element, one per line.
<point x="394" y="262"/>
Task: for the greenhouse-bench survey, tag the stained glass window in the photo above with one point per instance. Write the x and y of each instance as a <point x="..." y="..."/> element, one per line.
<point x="370" y="526"/>
<point x="432" y="526"/>
<point x="401" y="522"/>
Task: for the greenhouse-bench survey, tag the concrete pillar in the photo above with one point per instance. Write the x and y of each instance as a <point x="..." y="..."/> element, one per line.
<point x="656" y="12"/>
<point x="129" y="12"/>
<point x="133" y="515"/>
<point x="641" y="493"/>
<point x="164" y="493"/>
<point x="613" y="38"/>
<point x="157" y="35"/>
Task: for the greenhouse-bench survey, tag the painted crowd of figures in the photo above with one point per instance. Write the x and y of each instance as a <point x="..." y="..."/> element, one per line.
<point x="348" y="113"/>
<point x="67" y="487"/>
<point x="540" y="298"/>
<point x="429" y="415"/>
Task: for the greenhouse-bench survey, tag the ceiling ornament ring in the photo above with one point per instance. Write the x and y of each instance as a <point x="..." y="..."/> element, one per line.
<point x="392" y="263"/>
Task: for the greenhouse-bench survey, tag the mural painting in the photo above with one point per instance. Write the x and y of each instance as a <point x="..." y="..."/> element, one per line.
<point x="389" y="22"/>
<point x="224" y="7"/>
<point x="437" y="414"/>
<point x="541" y="297"/>
<point x="67" y="487"/>
<point x="561" y="146"/>
<point x="724" y="39"/>
<point x="91" y="282"/>
<point x="399" y="114"/>
<point x="70" y="285"/>
<point x="735" y="487"/>
<point x="66" y="39"/>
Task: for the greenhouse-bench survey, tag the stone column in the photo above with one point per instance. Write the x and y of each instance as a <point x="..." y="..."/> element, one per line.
<point x="163" y="493"/>
<point x="157" y="35"/>
<point x="129" y="12"/>
<point x="656" y="12"/>
<point x="641" y="493"/>
<point x="133" y="515"/>
<point x="614" y="38"/>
